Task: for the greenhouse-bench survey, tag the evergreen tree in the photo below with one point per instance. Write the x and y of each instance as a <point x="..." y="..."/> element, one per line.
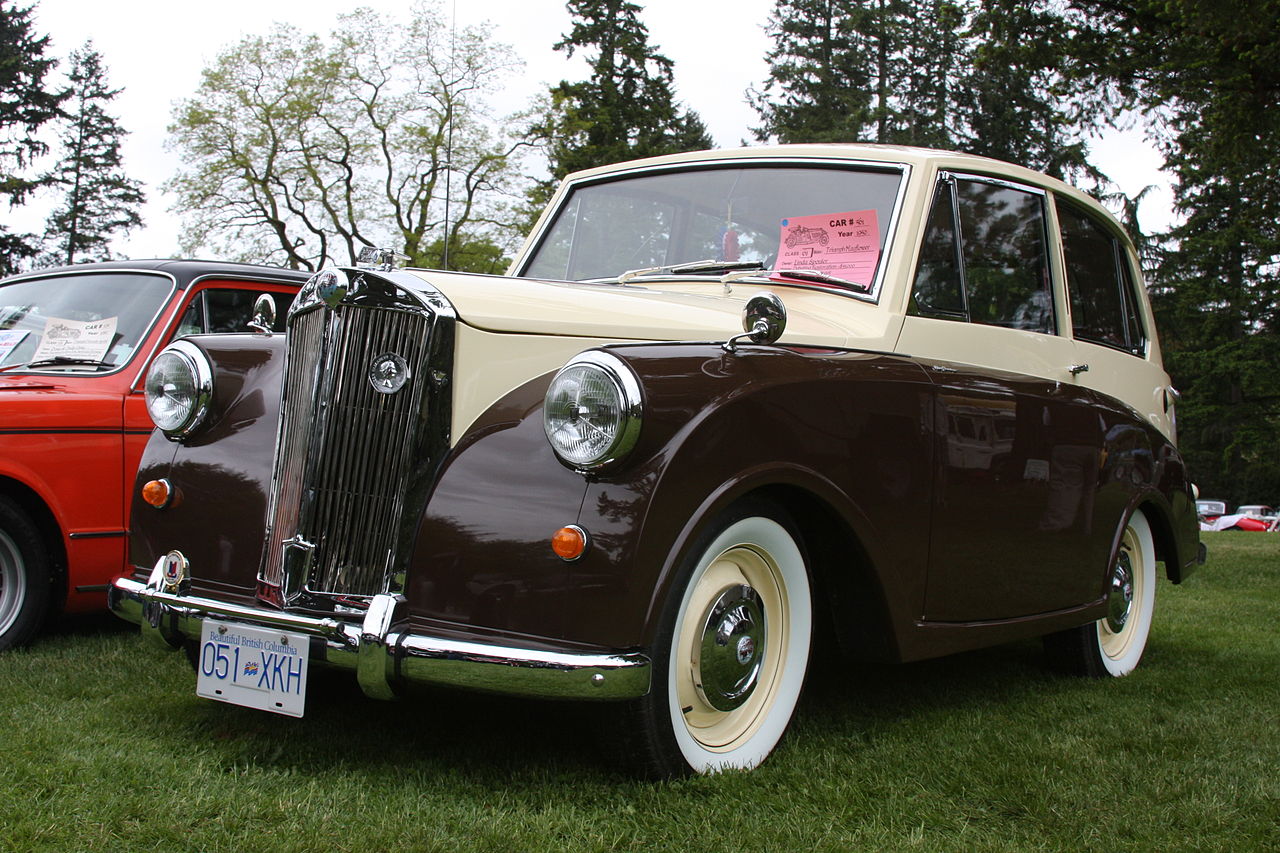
<point x="980" y="75"/>
<point x="627" y="108"/>
<point x="821" y="84"/>
<point x="936" y="54"/>
<point x="883" y="71"/>
<point x="25" y="105"/>
<point x="1017" y="105"/>
<point x="99" y="201"/>
<point x="1210" y="75"/>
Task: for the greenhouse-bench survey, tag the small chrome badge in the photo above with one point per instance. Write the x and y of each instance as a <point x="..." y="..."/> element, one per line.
<point x="175" y="570"/>
<point x="746" y="649"/>
<point x="388" y="373"/>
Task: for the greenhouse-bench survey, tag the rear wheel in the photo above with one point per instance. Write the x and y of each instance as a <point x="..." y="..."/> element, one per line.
<point x="1113" y="645"/>
<point x="732" y="651"/>
<point x="24" y="576"/>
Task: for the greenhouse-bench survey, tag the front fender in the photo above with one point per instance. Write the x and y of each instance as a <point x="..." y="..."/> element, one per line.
<point x="719" y="426"/>
<point x="221" y="474"/>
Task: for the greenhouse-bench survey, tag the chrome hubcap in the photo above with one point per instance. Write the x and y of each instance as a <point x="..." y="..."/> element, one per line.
<point x="732" y="648"/>
<point x="1120" y="595"/>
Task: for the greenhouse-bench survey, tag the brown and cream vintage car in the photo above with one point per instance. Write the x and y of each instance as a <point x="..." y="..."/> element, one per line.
<point x="945" y="426"/>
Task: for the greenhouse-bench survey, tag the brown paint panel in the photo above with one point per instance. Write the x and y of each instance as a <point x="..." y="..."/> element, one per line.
<point x="846" y="431"/>
<point x="483" y="555"/>
<point x="223" y="474"/>
<point x="1035" y="480"/>
<point x="846" y="441"/>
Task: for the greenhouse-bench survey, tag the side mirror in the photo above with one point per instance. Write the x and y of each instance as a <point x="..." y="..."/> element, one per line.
<point x="764" y="319"/>
<point x="264" y="314"/>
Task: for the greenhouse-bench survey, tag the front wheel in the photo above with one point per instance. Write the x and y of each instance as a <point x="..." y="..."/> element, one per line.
<point x="24" y="576"/>
<point x="732" y="651"/>
<point x="1113" y="645"/>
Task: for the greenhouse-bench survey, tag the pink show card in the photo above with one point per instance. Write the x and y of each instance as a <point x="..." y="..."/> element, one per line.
<point x="840" y="244"/>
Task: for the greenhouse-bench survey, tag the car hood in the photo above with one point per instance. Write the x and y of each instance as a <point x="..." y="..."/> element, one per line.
<point x="672" y="310"/>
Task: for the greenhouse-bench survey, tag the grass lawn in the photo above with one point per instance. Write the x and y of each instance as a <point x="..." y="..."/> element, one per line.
<point x="104" y="746"/>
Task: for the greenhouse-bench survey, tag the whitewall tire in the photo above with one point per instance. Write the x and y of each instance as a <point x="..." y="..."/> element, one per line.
<point x="733" y="650"/>
<point x="1113" y="645"/>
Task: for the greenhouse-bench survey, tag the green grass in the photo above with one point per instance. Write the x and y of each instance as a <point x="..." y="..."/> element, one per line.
<point x="104" y="746"/>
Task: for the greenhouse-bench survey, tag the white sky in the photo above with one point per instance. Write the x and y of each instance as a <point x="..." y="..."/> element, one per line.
<point x="155" y="50"/>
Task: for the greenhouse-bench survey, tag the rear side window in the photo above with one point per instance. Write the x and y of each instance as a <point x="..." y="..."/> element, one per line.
<point x="985" y="257"/>
<point x="1104" y="301"/>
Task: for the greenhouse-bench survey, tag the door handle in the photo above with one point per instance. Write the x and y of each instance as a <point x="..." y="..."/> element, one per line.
<point x="1077" y="369"/>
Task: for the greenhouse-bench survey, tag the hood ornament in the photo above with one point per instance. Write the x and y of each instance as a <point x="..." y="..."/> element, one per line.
<point x="381" y="260"/>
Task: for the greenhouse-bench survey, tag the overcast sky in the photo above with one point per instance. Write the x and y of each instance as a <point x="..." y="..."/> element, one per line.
<point x="155" y="50"/>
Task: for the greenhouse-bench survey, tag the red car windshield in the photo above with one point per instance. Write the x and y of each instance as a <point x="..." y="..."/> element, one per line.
<point x="78" y="321"/>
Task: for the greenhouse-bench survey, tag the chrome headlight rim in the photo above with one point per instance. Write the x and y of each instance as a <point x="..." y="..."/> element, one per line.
<point x="201" y="370"/>
<point x="630" y="405"/>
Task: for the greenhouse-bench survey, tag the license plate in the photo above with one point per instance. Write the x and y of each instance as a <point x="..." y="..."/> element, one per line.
<point x="260" y="668"/>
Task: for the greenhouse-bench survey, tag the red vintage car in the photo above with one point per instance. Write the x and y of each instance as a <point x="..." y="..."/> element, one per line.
<point x="75" y="343"/>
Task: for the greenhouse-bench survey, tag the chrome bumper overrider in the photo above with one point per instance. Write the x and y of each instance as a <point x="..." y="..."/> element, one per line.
<point x="383" y="656"/>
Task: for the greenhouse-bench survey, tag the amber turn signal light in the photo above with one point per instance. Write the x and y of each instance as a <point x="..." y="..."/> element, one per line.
<point x="158" y="493"/>
<point x="569" y="542"/>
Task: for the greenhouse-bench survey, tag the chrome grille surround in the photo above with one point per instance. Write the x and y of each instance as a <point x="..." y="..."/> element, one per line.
<point x="354" y="463"/>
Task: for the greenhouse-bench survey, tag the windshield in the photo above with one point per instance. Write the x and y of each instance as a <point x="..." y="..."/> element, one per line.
<point x="78" y="321"/>
<point x="833" y="219"/>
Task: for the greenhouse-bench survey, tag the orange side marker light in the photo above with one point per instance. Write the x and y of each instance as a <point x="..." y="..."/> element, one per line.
<point x="570" y="542"/>
<point x="158" y="493"/>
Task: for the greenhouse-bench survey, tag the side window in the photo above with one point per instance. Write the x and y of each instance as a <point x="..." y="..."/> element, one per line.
<point x="1104" y="308"/>
<point x="985" y="257"/>
<point x="226" y="310"/>
<point x="192" y="322"/>
<point x="939" y="289"/>
<point x="229" y="310"/>
<point x="1006" y="264"/>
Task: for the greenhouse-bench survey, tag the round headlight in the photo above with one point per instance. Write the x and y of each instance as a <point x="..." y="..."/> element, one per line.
<point x="592" y="411"/>
<point x="178" y="388"/>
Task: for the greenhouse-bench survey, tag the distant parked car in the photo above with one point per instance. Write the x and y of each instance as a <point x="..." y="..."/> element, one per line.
<point x="1259" y="511"/>
<point x="1210" y="510"/>
<point x="75" y="343"/>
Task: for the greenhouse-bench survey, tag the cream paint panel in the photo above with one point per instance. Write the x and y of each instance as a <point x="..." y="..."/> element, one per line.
<point x="495" y="364"/>
<point x="1013" y="350"/>
<point x="1135" y="382"/>
<point x="815" y="317"/>
<point x="1132" y="380"/>
<point x="1140" y="383"/>
<point x="653" y="312"/>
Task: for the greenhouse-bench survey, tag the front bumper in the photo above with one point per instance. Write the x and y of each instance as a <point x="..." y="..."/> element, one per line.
<point x="383" y="656"/>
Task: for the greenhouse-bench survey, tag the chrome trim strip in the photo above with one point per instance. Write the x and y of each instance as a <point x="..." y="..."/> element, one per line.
<point x="169" y="618"/>
<point x="988" y="179"/>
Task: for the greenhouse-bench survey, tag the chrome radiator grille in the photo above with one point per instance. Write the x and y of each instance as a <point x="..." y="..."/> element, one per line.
<point x="346" y="451"/>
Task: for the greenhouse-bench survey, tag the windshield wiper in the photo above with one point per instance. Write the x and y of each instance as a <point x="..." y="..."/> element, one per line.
<point x="822" y="278"/>
<point x="709" y="266"/>
<point x="63" y="360"/>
